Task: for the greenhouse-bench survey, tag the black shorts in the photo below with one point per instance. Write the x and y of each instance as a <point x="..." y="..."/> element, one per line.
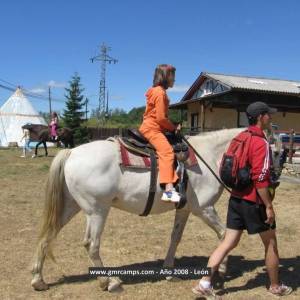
<point x="243" y="214"/>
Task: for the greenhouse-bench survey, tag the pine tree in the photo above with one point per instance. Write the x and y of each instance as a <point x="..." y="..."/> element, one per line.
<point x="73" y="115"/>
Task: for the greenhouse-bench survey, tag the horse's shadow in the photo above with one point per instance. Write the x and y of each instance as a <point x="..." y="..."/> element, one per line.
<point x="237" y="266"/>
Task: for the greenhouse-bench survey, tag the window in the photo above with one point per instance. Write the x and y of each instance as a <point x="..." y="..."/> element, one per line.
<point x="209" y="87"/>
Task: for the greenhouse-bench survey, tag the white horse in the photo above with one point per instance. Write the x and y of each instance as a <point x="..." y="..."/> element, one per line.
<point x="90" y="178"/>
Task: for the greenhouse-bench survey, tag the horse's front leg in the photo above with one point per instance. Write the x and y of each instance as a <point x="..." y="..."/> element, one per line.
<point x="36" y="150"/>
<point x="45" y="147"/>
<point x="181" y="217"/>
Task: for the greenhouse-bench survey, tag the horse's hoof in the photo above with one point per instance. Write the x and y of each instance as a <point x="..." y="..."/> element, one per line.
<point x="39" y="285"/>
<point x="115" y="286"/>
<point x="104" y="282"/>
<point x="86" y="243"/>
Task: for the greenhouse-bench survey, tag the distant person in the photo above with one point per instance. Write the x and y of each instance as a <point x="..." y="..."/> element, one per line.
<point x="251" y="209"/>
<point x="156" y="123"/>
<point x="26" y="138"/>
<point x="53" y="126"/>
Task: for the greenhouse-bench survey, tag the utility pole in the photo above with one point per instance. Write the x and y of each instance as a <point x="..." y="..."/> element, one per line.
<point x="106" y="109"/>
<point x="86" y="111"/>
<point x="50" y="108"/>
<point x="104" y="58"/>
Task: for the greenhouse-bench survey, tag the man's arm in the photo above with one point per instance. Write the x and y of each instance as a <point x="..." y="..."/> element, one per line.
<point x="267" y="200"/>
<point x="261" y="175"/>
<point x="161" y="107"/>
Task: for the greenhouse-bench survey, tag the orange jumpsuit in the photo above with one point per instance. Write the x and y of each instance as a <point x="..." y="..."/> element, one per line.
<point x="155" y="122"/>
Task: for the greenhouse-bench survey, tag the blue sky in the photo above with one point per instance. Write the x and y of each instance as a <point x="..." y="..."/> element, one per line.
<point x="45" y="42"/>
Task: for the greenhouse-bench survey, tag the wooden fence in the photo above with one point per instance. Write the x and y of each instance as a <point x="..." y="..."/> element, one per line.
<point x="101" y="133"/>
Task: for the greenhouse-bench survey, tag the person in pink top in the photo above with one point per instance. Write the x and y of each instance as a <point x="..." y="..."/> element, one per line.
<point x="53" y="126"/>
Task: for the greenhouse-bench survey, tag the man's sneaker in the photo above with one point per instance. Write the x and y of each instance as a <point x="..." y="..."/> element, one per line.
<point x="208" y="294"/>
<point x="280" y="290"/>
<point x="170" y="196"/>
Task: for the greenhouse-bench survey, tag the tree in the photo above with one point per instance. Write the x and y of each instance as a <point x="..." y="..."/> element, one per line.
<point x="73" y="115"/>
<point x="135" y="115"/>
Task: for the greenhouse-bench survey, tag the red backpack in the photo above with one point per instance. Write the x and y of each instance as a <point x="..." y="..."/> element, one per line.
<point x="235" y="170"/>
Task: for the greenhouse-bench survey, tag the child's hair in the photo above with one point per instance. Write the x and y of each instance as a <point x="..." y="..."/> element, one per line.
<point x="54" y="114"/>
<point x="162" y="74"/>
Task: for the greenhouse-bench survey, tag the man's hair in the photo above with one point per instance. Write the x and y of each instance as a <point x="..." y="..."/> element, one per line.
<point x="162" y="74"/>
<point x="253" y="120"/>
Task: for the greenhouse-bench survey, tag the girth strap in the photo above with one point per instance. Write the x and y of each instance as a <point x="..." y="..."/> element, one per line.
<point x="153" y="181"/>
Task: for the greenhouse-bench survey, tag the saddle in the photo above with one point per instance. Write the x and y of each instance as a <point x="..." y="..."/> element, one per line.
<point x="137" y="144"/>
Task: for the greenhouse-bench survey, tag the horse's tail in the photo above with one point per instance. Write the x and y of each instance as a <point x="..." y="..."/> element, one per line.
<point x="54" y="203"/>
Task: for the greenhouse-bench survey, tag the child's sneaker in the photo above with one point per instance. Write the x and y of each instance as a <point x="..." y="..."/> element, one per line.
<point x="171" y="196"/>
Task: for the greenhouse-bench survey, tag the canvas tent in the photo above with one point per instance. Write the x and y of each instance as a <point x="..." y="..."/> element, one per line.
<point x="14" y="113"/>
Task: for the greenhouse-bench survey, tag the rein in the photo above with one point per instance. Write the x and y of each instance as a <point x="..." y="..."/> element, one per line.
<point x="206" y="164"/>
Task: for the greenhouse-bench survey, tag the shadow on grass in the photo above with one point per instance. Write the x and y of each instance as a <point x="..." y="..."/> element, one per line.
<point x="288" y="273"/>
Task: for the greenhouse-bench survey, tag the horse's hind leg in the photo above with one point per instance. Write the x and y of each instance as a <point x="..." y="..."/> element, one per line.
<point x="95" y="226"/>
<point x="181" y="217"/>
<point x="211" y="218"/>
<point x="71" y="208"/>
<point x="86" y="239"/>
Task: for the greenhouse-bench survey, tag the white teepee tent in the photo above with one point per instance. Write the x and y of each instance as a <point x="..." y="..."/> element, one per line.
<point x="14" y="113"/>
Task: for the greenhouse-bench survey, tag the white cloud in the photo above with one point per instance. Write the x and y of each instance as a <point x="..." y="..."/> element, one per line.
<point x="179" y="88"/>
<point x="55" y="84"/>
<point x="38" y="90"/>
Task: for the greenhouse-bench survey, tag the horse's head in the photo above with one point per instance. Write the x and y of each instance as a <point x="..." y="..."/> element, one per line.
<point x="279" y="158"/>
<point x="28" y="126"/>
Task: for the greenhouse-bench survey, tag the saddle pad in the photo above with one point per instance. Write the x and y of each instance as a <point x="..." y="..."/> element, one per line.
<point x="134" y="160"/>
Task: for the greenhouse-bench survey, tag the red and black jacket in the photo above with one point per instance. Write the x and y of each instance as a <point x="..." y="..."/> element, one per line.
<point x="260" y="160"/>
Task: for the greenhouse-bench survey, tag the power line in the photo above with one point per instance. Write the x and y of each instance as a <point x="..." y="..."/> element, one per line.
<point x="7" y="88"/>
<point x="29" y="93"/>
<point x="8" y="83"/>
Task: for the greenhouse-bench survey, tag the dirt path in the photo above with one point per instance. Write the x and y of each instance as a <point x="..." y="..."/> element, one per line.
<point x="128" y="240"/>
